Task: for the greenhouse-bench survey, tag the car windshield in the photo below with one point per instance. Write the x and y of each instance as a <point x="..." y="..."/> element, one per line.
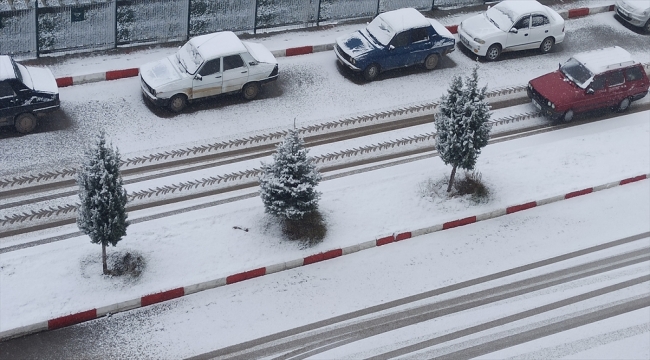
<point x="19" y="76"/>
<point x="577" y="72"/>
<point x="24" y="76"/>
<point x="189" y="58"/>
<point x="501" y="17"/>
<point x="381" y="31"/>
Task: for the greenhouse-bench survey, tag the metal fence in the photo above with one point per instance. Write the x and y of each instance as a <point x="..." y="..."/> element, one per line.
<point x="29" y="28"/>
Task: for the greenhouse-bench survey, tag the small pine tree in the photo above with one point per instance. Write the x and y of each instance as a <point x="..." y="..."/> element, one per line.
<point x="102" y="214"/>
<point x="462" y="127"/>
<point x="288" y="185"/>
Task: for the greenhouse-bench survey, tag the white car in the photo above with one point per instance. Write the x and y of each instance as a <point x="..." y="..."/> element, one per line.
<point x="208" y="65"/>
<point x="512" y="25"/>
<point x="635" y="12"/>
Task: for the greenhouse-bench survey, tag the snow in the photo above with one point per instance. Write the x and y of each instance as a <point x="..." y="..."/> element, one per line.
<point x="218" y="44"/>
<point x="260" y="52"/>
<point x="403" y="19"/>
<point x="601" y="60"/>
<point x="638" y="5"/>
<point x="6" y="68"/>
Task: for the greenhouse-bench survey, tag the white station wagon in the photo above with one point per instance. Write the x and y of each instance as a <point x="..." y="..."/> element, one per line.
<point x="512" y="25"/>
<point x="208" y="65"/>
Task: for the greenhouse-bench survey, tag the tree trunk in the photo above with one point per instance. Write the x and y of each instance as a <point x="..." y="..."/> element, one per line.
<point x="451" y="180"/>
<point x="104" y="259"/>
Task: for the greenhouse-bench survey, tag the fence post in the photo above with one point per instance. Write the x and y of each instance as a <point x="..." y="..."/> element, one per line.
<point x="378" y="1"/>
<point x="189" y="9"/>
<point x="36" y="27"/>
<point x="318" y="14"/>
<point x="116" y="36"/>
<point x="255" y="23"/>
<point x="433" y="4"/>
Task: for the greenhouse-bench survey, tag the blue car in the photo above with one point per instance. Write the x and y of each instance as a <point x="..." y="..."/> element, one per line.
<point x="392" y="40"/>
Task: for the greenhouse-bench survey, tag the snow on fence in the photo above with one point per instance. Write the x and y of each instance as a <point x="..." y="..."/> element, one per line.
<point x="30" y="28"/>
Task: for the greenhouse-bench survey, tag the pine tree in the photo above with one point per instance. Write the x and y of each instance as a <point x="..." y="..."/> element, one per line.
<point x="462" y="125"/>
<point x="288" y="185"/>
<point x="102" y="214"/>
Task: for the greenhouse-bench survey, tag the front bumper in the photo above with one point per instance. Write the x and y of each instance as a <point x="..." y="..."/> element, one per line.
<point x="468" y="42"/>
<point x="342" y="59"/>
<point x="634" y="19"/>
<point x="541" y="104"/>
<point x="149" y="96"/>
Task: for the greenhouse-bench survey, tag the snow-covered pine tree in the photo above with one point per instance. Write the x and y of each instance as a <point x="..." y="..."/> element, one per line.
<point x="462" y="126"/>
<point x="288" y="184"/>
<point x="102" y="214"/>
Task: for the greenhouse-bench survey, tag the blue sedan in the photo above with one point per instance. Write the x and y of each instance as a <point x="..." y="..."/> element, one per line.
<point x="392" y="40"/>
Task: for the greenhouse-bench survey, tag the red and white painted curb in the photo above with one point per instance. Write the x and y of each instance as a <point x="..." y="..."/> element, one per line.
<point x="302" y="50"/>
<point x="151" y="299"/>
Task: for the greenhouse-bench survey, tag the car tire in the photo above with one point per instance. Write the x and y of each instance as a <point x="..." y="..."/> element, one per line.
<point x="431" y="61"/>
<point x="250" y="90"/>
<point x="371" y="72"/>
<point x="567" y="116"/>
<point x="646" y="27"/>
<point x="546" y="45"/>
<point x="25" y="123"/>
<point x="623" y="105"/>
<point x="493" y="52"/>
<point x="177" y="103"/>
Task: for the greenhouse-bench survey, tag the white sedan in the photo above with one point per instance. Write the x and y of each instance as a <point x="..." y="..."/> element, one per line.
<point x="208" y="65"/>
<point x="512" y="25"/>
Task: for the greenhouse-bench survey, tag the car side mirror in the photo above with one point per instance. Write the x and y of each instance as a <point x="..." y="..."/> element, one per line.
<point x="253" y="63"/>
<point x="198" y="77"/>
<point x="589" y="91"/>
<point x="391" y="47"/>
<point x="514" y="30"/>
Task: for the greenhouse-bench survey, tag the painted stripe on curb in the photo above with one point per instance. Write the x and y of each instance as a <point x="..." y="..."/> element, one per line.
<point x="206" y="285"/>
<point x="322" y="256"/>
<point x="461" y="222"/>
<point x="23" y="330"/>
<point x="515" y="208"/>
<point x="162" y="296"/>
<point x="121" y="74"/>
<point x="574" y="13"/>
<point x="634" y="179"/>
<point x="385" y="240"/>
<point x="426" y="230"/>
<point x="302" y="50"/>
<point x="452" y="29"/>
<point x="245" y="275"/>
<point x="71" y="319"/>
<point x="491" y="215"/>
<point x="64" y="81"/>
<point x="579" y="193"/>
<point x="88" y="78"/>
<point x="403" y="236"/>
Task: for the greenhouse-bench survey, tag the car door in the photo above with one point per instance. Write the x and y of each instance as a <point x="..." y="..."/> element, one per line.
<point x="594" y="96"/>
<point x="616" y="87"/>
<point x="540" y="28"/>
<point x="8" y="99"/>
<point x="420" y="45"/>
<point x="397" y="54"/>
<point x="521" y="38"/>
<point x="634" y="79"/>
<point x="209" y="79"/>
<point x="235" y="73"/>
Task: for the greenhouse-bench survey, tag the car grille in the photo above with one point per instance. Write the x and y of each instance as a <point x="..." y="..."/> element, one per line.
<point x="623" y="15"/>
<point x="345" y="56"/>
<point x="146" y="86"/>
<point x="534" y="95"/>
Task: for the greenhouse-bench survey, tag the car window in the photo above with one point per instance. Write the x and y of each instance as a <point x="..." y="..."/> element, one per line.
<point x="540" y="20"/>
<point x="633" y="74"/>
<point x="6" y="90"/>
<point x="232" y="62"/>
<point x="420" y="34"/>
<point x="401" y="39"/>
<point x="615" y="78"/>
<point x="210" y="67"/>
<point x="598" y="83"/>
<point x="523" y="23"/>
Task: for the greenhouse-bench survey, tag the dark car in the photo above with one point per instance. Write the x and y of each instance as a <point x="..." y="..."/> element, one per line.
<point x="25" y="93"/>
<point x="590" y="80"/>
<point x="392" y="40"/>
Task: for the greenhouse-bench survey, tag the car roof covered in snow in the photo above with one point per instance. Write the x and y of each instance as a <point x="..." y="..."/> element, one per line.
<point x="601" y="60"/>
<point x="218" y="44"/>
<point x="6" y="68"/>
<point x="517" y="8"/>
<point x="403" y="19"/>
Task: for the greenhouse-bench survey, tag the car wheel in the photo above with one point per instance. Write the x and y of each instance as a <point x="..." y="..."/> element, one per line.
<point x="624" y="105"/>
<point x="25" y="123"/>
<point x="493" y="52"/>
<point x="177" y="103"/>
<point x="646" y="27"/>
<point x="547" y="45"/>
<point x="568" y="116"/>
<point x="251" y="90"/>
<point x="431" y="61"/>
<point x="371" y="72"/>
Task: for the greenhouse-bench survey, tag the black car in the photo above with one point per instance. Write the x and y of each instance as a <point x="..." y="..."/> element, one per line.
<point x="25" y="93"/>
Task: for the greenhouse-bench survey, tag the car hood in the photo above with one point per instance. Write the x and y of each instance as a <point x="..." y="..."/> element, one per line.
<point x="43" y="80"/>
<point x="356" y="44"/>
<point x="260" y="52"/>
<point x="161" y="72"/>
<point x="636" y="6"/>
<point x="556" y="87"/>
<point x="479" y="26"/>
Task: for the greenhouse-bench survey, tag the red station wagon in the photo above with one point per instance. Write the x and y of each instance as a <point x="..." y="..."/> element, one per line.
<point x="590" y="80"/>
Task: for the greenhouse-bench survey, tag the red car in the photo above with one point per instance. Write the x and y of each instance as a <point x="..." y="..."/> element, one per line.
<point x="590" y="80"/>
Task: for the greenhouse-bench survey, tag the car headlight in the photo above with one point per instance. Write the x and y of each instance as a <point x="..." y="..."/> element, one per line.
<point x="352" y="61"/>
<point x="551" y="105"/>
<point x="153" y="91"/>
<point x="479" y="41"/>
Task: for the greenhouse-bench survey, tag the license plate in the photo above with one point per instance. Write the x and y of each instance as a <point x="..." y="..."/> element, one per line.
<point x="463" y="40"/>
<point x="537" y="105"/>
